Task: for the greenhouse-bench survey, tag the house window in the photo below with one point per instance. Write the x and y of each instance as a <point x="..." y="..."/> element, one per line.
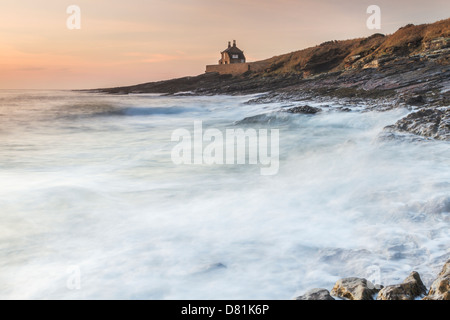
<point x="235" y="56"/>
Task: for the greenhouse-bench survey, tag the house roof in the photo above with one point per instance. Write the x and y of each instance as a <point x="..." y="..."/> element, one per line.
<point x="234" y="50"/>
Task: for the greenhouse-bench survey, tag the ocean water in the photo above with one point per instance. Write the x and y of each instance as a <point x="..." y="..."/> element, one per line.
<point x="92" y="206"/>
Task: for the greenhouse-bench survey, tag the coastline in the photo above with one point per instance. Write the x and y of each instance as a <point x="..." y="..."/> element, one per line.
<point x="408" y="69"/>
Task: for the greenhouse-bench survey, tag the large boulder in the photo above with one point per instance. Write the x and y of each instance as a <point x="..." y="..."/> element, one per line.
<point x="410" y="289"/>
<point x="316" y="294"/>
<point x="354" y="289"/>
<point x="440" y="289"/>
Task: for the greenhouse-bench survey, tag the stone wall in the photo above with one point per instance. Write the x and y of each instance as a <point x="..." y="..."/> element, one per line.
<point x="233" y="68"/>
<point x="237" y="68"/>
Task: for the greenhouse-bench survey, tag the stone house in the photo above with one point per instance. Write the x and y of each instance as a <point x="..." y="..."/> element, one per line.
<point x="232" y="54"/>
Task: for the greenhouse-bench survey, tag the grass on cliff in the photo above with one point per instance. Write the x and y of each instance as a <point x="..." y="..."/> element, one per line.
<point x="338" y="55"/>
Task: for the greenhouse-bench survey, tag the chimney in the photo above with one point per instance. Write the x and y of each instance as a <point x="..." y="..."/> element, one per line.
<point x="229" y="44"/>
<point x="234" y="43"/>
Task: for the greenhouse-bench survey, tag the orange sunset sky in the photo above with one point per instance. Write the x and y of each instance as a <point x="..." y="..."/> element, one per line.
<point x="135" y="41"/>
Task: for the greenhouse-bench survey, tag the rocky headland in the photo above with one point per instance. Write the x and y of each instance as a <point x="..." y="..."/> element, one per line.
<point x="408" y="69"/>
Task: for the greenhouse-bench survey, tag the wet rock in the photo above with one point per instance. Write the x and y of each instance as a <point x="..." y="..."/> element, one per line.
<point x="216" y="266"/>
<point x="212" y="268"/>
<point x="266" y="98"/>
<point x="415" y="100"/>
<point x="410" y="289"/>
<point x="354" y="289"/>
<point x="389" y="134"/>
<point x="427" y="122"/>
<point x="316" y="294"/>
<point x="440" y="289"/>
<point x="304" y="110"/>
<point x="266" y="118"/>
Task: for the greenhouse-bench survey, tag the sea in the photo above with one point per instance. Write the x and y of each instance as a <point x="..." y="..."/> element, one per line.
<point x="92" y="205"/>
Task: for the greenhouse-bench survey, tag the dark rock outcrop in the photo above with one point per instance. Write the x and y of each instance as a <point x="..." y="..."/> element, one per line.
<point x="415" y="100"/>
<point x="429" y="122"/>
<point x="316" y="294"/>
<point x="440" y="289"/>
<point x="410" y="289"/>
<point x="354" y="289"/>
<point x="266" y="118"/>
<point x="304" y="110"/>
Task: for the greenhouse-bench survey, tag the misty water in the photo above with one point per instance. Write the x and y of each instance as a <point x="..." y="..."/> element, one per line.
<point x="88" y="190"/>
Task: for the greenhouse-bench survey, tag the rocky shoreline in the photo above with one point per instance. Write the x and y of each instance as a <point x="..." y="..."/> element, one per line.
<point x="408" y="69"/>
<point x="412" y="288"/>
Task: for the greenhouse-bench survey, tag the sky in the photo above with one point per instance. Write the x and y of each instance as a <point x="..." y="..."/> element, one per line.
<point x="136" y="41"/>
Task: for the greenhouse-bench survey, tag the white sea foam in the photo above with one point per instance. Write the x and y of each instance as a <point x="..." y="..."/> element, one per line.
<point x="81" y="186"/>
